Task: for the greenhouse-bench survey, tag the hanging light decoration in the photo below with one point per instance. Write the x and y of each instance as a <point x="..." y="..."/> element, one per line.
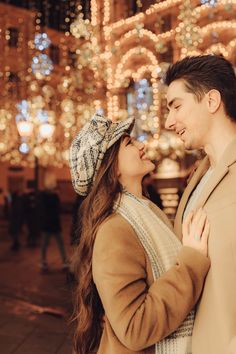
<point x="46" y="130"/>
<point x="24" y="148"/>
<point x="188" y="32"/>
<point x="81" y="28"/>
<point x="211" y="3"/>
<point x="41" y="65"/>
<point x="41" y="41"/>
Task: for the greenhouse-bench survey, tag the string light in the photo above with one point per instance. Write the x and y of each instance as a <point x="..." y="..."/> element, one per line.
<point x="107" y="12"/>
<point x="133" y="52"/>
<point x="94" y="13"/>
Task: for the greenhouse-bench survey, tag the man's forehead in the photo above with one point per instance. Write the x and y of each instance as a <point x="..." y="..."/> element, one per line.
<point x="175" y="89"/>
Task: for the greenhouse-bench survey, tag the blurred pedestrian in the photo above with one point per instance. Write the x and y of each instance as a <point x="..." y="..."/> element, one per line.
<point x="15" y="217"/>
<point x="32" y="216"/>
<point x="50" y="222"/>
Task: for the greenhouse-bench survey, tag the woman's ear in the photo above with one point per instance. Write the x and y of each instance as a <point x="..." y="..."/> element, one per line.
<point x="213" y="100"/>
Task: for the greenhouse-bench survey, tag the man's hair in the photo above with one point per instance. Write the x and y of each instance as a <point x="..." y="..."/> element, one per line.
<point x="206" y="72"/>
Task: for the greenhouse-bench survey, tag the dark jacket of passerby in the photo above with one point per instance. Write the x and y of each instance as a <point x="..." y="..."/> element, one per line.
<point x="50" y="212"/>
<point x="16" y="213"/>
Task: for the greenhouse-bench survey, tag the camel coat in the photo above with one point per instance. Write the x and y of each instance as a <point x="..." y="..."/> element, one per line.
<point x="215" y="325"/>
<point x="138" y="311"/>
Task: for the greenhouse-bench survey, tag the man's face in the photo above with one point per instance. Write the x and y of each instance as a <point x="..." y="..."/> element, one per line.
<point x="187" y="117"/>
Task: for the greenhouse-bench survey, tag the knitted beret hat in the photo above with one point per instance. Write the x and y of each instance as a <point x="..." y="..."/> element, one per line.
<point x="89" y="147"/>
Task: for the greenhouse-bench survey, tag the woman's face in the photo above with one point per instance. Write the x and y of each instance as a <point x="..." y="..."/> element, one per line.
<point x="132" y="161"/>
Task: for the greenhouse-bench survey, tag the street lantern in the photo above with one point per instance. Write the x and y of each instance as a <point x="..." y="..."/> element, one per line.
<point x="25" y="128"/>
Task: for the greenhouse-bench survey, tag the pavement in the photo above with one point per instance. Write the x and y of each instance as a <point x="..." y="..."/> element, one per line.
<point x="35" y="308"/>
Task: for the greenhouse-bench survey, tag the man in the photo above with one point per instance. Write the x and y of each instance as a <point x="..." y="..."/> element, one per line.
<point x="201" y="99"/>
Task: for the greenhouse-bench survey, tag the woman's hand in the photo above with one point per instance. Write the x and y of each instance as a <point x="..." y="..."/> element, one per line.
<point x="196" y="229"/>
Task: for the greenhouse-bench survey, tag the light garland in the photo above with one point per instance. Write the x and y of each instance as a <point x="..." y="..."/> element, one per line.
<point x="188" y="33"/>
<point x="219" y="26"/>
<point x="94" y="13"/>
<point x="107" y="12"/>
<point x="155" y="38"/>
<point x="200" y="10"/>
<point x="141" y="17"/>
<point x="218" y="48"/>
<point x="133" y="51"/>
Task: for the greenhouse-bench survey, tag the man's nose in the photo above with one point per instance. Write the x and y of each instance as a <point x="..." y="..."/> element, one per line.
<point x="140" y="145"/>
<point x="170" y="121"/>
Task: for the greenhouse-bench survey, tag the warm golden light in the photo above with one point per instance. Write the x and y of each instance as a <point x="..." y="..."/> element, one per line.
<point x="25" y="129"/>
<point x="46" y="130"/>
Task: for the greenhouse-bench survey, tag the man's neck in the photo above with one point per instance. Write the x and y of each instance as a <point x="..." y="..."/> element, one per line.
<point x="218" y="142"/>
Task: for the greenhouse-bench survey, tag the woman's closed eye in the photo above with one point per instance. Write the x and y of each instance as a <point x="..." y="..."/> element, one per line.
<point x="176" y="107"/>
<point x="129" y="141"/>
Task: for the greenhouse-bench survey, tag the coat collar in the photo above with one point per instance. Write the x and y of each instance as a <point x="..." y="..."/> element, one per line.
<point x="220" y="171"/>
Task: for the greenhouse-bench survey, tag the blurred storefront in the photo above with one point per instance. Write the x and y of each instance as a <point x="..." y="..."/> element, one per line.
<point x="61" y="62"/>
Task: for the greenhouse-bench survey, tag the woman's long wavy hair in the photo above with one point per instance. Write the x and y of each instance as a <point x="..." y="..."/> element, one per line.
<point x="97" y="206"/>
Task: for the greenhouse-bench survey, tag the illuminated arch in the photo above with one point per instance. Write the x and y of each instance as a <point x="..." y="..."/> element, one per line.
<point x="217" y="48"/>
<point x="133" y="52"/>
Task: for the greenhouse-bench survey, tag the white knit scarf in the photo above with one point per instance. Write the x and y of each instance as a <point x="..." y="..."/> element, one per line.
<point x="162" y="247"/>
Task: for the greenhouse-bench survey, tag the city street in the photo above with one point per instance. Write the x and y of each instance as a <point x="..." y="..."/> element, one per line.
<point x="35" y="308"/>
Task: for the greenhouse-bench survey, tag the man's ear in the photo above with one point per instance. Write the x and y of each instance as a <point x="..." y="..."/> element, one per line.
<point x="213" y="100"/>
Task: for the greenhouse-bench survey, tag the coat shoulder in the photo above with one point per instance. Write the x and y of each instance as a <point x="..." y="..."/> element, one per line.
<point x="115" y="231"/>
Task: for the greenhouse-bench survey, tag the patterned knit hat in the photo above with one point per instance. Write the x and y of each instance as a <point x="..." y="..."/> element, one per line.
<point x="89" y="147"/>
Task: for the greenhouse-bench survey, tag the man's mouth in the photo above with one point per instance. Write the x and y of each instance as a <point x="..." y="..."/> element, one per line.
<point x="143" y="156"/>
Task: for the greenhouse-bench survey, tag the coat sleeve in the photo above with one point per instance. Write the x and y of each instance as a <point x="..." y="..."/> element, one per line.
<point x="140" y="315"/>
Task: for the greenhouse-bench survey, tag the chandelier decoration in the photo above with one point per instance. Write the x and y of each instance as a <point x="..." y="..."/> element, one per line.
<point x="36" y="127"/>
<point x="188" y="32"/>
<point x="41" y="65"/>
<point x="41" y="41"/>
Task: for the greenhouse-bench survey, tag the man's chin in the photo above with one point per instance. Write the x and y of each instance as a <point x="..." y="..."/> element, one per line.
<point x="190" y="147"/>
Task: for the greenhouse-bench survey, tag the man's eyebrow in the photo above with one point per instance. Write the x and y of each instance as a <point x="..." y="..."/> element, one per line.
<point x="172" y="101"/>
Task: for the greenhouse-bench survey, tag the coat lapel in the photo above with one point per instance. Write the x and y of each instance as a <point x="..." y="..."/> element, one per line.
<point x="200" y="171"/>
<point x="222" y="168"/>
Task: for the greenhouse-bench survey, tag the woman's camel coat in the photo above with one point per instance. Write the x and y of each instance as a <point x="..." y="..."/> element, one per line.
<point x="139" y="311"/>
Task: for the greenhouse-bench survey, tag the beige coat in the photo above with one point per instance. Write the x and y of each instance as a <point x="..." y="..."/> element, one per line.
<point x="139" y="311"/>
<point x="215" y="324"/>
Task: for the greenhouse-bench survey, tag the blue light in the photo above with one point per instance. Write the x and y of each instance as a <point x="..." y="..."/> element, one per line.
<point x="143" y="82"/>
<point x="42" y="116"/>
<point x="24" y="148"/>
<point x="142" y="137"/>
<point x="211" y="3"/>
<point x="100" y="111"/>
<point x="23" y="108"/>
<point x="41" y="41"/>
<point x="42" y="65"/>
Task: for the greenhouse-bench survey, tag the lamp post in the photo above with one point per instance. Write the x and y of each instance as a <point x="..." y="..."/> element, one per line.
<point x="44" y="131"/>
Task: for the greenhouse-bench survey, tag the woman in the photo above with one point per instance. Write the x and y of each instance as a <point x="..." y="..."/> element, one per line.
<point x="136" y="283"/>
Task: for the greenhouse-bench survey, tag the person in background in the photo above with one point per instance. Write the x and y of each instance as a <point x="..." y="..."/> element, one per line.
<point x="32" y="216"/>
<point x="201" y="98"/>
<point x="50" y="222"/>
<point x="137" y="284"/>
<point x="15" y="217"/>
